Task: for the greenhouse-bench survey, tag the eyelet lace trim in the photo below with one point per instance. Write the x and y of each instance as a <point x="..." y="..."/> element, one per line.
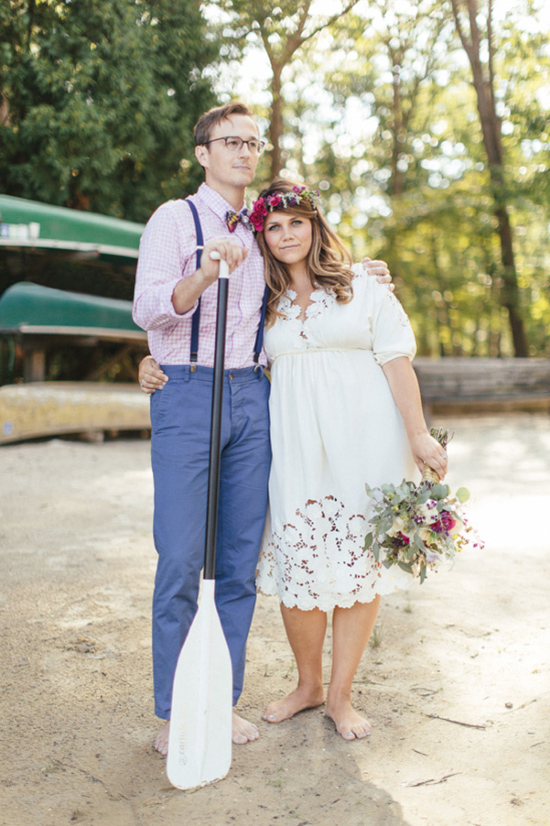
<point x="402" y="315"/>
<point x="318" y="561"/>
<point x="320" y="299"/>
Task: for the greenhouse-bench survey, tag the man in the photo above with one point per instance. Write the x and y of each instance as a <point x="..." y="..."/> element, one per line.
<point x="168" y="286"/>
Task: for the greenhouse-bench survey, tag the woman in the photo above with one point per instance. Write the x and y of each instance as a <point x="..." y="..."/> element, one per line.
<point x="345" y="410"/>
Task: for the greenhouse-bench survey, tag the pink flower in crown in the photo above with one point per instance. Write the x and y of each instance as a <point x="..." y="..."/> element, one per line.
<point x="260" y="207"/>
<point x="257" y="222"/>
<point x="258" y="214"/>
<point x="274" y="201"/>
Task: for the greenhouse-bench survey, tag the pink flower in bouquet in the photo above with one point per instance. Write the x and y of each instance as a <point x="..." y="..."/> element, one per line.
<point x="445" y="523"/>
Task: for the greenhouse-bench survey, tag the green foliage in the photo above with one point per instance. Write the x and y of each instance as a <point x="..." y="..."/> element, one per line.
<point x="99" y="99"/>
<point x="404" y="170"/>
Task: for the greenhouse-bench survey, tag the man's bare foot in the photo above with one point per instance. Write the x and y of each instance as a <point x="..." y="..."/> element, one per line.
<point x="243" y="731"/>
<point x="161" y="743"/>
<point x="349" y="724"/>
<point x="298" y="700"/>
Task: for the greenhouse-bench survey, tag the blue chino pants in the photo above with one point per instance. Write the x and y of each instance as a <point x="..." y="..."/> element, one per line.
<point x="180" y="446"/>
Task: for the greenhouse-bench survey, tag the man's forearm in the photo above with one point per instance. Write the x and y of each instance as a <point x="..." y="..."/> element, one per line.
<point x="188" y="291"/>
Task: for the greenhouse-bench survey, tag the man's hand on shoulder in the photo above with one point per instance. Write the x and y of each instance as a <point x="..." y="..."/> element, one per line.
<point x="379" y="269"/>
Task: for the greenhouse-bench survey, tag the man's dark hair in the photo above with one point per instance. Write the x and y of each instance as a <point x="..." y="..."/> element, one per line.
<point x="210" y="119"/>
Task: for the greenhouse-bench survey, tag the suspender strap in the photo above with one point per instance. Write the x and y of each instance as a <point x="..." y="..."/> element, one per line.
<point x="197" y="314"/>
<point x="260" y="335"/>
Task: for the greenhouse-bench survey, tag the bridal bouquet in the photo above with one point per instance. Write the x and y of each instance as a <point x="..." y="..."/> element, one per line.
<point x="418" y="526"/>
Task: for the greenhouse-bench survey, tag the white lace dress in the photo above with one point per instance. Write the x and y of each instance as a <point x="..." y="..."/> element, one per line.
<point x="334" y="426"/>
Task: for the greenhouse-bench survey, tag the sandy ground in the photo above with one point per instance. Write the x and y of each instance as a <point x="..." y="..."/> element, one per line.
<point x="456" y="683"/>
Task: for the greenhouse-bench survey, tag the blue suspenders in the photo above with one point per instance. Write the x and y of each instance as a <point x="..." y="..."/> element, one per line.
<point x="197" y="314"/>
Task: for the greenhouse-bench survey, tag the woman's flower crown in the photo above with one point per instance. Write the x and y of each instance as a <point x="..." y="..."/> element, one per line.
<point x="280" y="200"/>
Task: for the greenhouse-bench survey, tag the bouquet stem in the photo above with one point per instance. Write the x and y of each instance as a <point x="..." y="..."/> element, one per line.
<point x="443" y="437"/>
<point x="430" y="475"/>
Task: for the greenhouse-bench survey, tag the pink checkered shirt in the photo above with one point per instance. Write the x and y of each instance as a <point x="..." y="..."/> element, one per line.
<point x="167" y="253"/>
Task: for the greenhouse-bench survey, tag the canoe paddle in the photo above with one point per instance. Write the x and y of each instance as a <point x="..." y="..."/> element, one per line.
<point x="199" y="745"/>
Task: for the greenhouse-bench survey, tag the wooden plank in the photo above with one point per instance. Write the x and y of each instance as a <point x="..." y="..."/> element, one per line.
<point x="468" y="380"/>
<point x="49" y="408"/>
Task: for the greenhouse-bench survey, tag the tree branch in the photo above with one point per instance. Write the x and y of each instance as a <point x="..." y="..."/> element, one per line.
<point x="463" y="39"/>
<point x="331" y="20"/>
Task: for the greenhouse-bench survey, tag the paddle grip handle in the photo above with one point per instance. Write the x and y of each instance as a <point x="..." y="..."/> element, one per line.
<point x="224" y="267"/>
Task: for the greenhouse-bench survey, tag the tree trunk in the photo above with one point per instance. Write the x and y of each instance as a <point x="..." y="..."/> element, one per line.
<point x="397" y="175"/>
<point x="490" y="128"/>
<point x="276" y="124"/>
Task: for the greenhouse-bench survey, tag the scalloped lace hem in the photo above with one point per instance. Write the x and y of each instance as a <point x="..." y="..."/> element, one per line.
<point x="318" y="560"/>
<point x="328" y="603"/>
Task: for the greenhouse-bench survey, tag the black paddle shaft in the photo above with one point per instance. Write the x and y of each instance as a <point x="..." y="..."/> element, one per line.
<point x="215" y="433"/>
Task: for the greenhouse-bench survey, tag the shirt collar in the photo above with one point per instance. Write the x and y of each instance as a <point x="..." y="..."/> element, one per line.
<point x="215" y="201"/>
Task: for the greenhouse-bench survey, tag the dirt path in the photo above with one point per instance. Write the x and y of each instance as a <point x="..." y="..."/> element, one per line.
<point x="457" y="687"/>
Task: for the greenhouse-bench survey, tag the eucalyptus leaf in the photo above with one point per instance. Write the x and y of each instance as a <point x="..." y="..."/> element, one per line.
<point x="440" y="491"/>
<point x="462" y="494"/>
<point x="419" y="543"/>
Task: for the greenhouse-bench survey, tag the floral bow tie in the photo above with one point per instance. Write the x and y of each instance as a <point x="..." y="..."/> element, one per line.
<point x="233" y="218"/>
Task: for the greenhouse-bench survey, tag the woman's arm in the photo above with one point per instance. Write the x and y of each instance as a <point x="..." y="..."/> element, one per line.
<point x="406" y="392"/>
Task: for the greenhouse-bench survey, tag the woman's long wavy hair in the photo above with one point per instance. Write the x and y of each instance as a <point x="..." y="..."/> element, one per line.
<point x="328" y="261"/>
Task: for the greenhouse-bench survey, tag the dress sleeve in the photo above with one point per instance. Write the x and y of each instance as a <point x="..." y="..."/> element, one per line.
<point x="164" y="254"/>
<point x="391" y="329"/>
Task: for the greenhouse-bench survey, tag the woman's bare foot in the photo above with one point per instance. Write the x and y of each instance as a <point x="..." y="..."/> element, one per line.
<point x="349" y="724"/>
<point x="243" y="731"/>
<point x="298" y="700"/>
<point x="161" y="743"/>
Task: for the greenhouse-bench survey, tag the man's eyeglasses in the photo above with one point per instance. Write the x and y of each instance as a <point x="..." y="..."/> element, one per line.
<point x="235" y="144"/>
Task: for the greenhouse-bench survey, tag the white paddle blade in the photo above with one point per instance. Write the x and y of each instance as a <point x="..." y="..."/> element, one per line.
<point x="199" y="746"/>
